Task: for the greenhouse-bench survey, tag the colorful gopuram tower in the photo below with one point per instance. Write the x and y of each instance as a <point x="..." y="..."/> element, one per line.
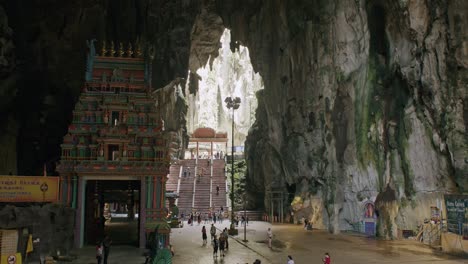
<point x="116" y="136"/>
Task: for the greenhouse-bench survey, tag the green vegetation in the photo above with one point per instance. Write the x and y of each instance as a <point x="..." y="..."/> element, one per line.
<point x="240" y="168"/>
<point x="369" y="111"/>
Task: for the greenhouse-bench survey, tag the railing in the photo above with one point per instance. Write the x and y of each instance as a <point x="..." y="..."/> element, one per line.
<point x="431" y="234"/>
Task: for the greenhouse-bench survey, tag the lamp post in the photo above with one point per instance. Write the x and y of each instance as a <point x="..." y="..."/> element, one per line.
<point x="233" y="103"/>
<point x="245" y="220"/>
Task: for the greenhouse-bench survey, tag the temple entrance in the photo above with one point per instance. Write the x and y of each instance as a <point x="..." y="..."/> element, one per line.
<point x="112" y="207"/>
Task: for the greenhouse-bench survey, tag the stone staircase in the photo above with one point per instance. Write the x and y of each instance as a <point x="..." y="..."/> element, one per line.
<point x="203" y="186"/>
<point x="219" y="179"/>
<point x="198" y="193"/>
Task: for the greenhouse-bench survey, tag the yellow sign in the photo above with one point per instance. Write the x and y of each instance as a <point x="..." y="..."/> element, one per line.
<point x="11" y="259"/>
<point x="29" y="189"/>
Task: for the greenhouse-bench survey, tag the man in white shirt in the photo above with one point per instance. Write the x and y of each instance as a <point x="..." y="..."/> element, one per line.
<point x="290" y="260"/>
<point x="270" y="236"/>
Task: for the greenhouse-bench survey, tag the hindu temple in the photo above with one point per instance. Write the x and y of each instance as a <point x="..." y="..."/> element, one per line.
<point x="115" y="151"/>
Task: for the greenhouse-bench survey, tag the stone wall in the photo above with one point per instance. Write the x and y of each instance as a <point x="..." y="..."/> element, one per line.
<point x="52" y="224"/>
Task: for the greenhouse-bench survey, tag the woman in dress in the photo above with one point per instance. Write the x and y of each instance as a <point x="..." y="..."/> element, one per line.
<point x="204" y="235"/>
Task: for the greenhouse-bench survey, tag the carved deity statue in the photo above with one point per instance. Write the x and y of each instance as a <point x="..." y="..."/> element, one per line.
<point x="129" y="50"/>
<point x="103" y="49"/>
<point x="124" y="153"/>
<point x="124" y="117"/>
<point x="106" y="117"/>
<point x="101" y="150"/>
<point x="121" y="50"/>
<point x="112" y="50"/>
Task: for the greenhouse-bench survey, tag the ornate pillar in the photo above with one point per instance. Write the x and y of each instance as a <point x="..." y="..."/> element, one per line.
<point x="79" y="217"/>
<point x="142" y="213"/>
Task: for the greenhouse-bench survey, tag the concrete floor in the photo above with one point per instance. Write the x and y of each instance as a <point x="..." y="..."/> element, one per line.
<point x="304" y="246"/>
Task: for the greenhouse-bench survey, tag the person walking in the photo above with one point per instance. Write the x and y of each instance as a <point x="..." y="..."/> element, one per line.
<point x="99" y="250"/>
<point x="199" y="218"/>
<point x="203" y="235"/>
<point x="326" y="259"/>
<point x="215" y="242"/>
<point x="222" y="242"/>
<point x="225" y="231"/>
<point x="106" y="243"/>
<point x="270" y="237"/>
<point x="290" y="260"/>
<point x="217" y="189"/>
<point x="213" y="231"/>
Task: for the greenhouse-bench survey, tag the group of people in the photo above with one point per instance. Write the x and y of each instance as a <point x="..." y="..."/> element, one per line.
<point x="220" y="243"/>
<point x="216" y="217"/>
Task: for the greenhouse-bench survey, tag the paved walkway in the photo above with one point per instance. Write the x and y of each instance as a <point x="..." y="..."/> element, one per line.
<point x="305" y="247"/>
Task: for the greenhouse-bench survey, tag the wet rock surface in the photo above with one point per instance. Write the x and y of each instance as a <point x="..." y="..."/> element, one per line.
<point x="359" y="95"/>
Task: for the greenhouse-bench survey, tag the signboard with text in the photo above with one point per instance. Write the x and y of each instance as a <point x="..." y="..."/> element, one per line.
<point x="457" y="213"/>
<point x="19" y="189"/>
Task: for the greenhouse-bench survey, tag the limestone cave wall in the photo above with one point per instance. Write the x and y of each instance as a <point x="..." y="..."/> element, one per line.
<point x="364" y="100"/>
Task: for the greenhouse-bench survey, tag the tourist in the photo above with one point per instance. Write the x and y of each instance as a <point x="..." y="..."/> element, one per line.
<point x="199" y="218"/>
<point x="217" y="189"/>
<point x="203" y="235"/>
<point x="206" y="218"/>
<point x="213" y="231"/>
<point x="326" y="259"/>
<point x="225" y="231"/>
<point x="214" y="217"/>
<point x="220" y="217"/>
<point x="106" y="243"/>
<point x="257" y="261"/>
<point x="270" y="237"/>
<point x="99" y="253"/>
<point x="290" y="260"/>
<point x="210" y="216"/>
<point x="185" y="173"/>
<point x="306" y="221"/>
<point x="222" y="242"/>
<point x="214" y="242"/>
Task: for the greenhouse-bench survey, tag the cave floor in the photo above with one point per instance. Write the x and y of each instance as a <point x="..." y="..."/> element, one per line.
<point x="304" y="246"/>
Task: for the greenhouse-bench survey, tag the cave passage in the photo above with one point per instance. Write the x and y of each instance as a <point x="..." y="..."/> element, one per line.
<point x="231" y="74"/>
<point x="112" y="208"/>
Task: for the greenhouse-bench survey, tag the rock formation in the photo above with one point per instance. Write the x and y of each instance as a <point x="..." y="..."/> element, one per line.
<point x="361" y="98"/>
<point x="364" y="100"/>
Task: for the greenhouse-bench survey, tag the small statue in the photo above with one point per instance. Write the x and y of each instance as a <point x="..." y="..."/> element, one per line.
<point x="103" y="49"/>
<point x="106" y="117"/>
<point x="124" y="153"/>
<point x="129" y="50"/>
<point x="121" y="50"/>
<point x="112" y="50"/>
<point x="101" y="150"/>
<point x="124" y="117"/>
<point x="138" y="50"/>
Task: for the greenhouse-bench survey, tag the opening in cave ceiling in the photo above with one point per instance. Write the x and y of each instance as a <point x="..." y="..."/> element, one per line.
<point x="230" y="74"/>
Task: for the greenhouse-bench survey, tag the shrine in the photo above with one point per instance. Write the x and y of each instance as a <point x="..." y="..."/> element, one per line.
<point x="115" y="154"/>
